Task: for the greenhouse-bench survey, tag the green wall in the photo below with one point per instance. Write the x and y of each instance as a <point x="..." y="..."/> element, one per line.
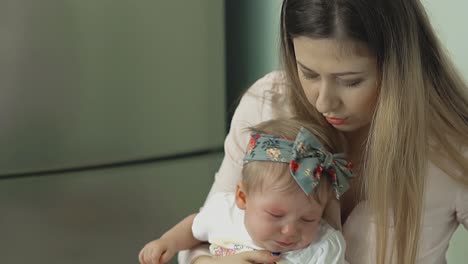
<point x="252" y="43"/>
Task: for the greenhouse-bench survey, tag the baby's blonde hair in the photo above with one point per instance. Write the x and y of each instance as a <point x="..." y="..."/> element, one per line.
<point x="268" y="175"/>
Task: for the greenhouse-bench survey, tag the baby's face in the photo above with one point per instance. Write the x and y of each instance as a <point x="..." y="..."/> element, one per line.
<point x="279" y="221"/>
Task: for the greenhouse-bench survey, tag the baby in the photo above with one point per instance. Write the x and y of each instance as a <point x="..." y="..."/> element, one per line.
<point x="288" y="177"/>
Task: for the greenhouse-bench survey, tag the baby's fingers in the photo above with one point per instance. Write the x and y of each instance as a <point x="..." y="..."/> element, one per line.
<point x="166" y="256"/>
<point x="141" y="255"/>
<point x="150" y="255"/>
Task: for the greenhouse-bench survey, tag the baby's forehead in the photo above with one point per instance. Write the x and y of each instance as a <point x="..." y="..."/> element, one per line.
<point x="278" y="182"/>
<point x="291" y="198"/>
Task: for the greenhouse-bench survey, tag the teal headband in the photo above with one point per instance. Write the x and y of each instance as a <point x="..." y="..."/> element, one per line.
<point x="307" y="158"/>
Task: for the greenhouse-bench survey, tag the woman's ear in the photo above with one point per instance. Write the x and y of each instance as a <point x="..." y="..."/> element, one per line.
<point x="241" y="196"/>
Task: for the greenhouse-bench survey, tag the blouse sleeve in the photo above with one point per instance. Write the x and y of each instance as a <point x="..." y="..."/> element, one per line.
<point x="253" y="108"/>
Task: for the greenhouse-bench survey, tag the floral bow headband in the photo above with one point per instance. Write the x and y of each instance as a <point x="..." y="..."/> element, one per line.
<point x="307" y="158"/>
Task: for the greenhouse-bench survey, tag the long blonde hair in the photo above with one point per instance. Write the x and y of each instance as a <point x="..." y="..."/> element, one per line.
<point x="421" y="113"/>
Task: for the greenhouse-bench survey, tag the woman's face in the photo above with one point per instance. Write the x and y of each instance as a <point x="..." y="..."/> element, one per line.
<point x="339" y="79"/>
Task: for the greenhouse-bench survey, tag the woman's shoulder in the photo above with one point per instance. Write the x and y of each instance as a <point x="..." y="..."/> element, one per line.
<point x="442" y="187"/>
<point x="443" y="175"/>
<point x="264" y="99"/>
<point x="442" y="168"/>
<point x="256" y="105"/>
<point x="274" y="81"/>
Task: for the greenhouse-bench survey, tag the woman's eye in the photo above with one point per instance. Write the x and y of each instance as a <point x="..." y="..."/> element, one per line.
<point x="352" y="83"/>
<point x="309" y="76"/>
<point x="309" y="220"/>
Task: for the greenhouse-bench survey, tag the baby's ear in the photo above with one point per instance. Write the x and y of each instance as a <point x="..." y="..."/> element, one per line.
<point x="241" y="196"/>
<point x="332" y="213"/>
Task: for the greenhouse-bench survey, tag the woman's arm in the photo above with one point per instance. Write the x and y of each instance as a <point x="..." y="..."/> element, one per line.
<point x="260" y="256"/>
<point x="181" y="234"/>
<point x="178" y="238"/>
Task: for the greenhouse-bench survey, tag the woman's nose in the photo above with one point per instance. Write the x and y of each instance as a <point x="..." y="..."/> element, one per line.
<point x="327" y="99"/>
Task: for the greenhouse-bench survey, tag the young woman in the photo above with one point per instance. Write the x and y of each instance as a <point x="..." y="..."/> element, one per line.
<point x="374" y="74"/>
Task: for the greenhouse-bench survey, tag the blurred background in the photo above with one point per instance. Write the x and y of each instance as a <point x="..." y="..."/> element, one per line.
<point x="113" y="116"/>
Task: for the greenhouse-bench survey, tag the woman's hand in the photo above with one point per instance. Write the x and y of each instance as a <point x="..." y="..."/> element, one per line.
<point x="157" y="252"/>
<point x="251" y="257"/>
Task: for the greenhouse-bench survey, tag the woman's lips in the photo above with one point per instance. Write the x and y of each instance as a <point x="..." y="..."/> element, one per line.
<point x="336" y="121"/>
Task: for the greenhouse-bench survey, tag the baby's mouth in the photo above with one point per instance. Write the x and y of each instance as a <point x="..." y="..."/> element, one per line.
<point x="284" y="244"/>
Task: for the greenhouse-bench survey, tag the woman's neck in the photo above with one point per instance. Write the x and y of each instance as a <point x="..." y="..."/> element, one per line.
<point x="356" y="144"/>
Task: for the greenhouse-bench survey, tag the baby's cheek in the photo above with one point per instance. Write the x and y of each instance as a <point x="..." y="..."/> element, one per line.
<point x="309" y="235"/>
<point x="256" y="229"/>
<point x="264" y="231"/>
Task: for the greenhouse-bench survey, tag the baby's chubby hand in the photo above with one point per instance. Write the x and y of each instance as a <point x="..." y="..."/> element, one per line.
<point x="157" y="252"/>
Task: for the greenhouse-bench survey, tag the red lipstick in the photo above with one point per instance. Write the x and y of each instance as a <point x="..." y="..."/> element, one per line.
<point x="336" y="121"/>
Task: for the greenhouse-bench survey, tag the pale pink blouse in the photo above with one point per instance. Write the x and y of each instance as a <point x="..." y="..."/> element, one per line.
<point x="446" y="201"/>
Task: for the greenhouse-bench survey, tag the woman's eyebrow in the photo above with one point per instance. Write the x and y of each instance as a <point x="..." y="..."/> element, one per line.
<point x="337" y="74"/>
<point x="304" y="67"/>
